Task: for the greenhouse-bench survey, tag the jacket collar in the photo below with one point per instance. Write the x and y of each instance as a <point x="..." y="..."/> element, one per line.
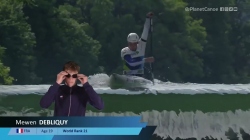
<point x="75" y="85"/>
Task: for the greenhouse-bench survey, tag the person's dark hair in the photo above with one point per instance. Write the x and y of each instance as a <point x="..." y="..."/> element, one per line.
<point x="71" y="65"/>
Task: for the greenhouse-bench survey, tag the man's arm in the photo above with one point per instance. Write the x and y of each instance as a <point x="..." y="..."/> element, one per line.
<point x="144" y="35"/>
<point x="143" y="40"/>
<point x="49" y="97"/>
<point x="94" y="99"/>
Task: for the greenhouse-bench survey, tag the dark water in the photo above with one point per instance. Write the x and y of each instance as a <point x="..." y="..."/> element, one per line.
<point x="144" y="102"/>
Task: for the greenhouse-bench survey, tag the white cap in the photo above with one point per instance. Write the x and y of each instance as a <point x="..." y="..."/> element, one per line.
<point x="133" y="37"/>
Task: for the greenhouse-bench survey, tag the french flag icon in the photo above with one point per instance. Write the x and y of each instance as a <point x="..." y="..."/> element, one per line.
<point x="20" y="130"/>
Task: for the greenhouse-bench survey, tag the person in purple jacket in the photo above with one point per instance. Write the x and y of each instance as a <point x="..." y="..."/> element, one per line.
<point x="71" y="99"/>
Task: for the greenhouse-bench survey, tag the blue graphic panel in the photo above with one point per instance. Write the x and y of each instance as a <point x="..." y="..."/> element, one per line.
<point x="76" y="128"/>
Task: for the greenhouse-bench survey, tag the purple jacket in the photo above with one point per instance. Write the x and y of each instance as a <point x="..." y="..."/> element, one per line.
<point x="71" y="101"/>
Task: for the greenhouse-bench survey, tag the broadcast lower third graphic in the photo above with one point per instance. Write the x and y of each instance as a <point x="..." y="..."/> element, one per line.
<point x="22" y="131"/>
<point x="230" y="9"/>
<point x="46" y="128"/>
<point x="76" y="131"/>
